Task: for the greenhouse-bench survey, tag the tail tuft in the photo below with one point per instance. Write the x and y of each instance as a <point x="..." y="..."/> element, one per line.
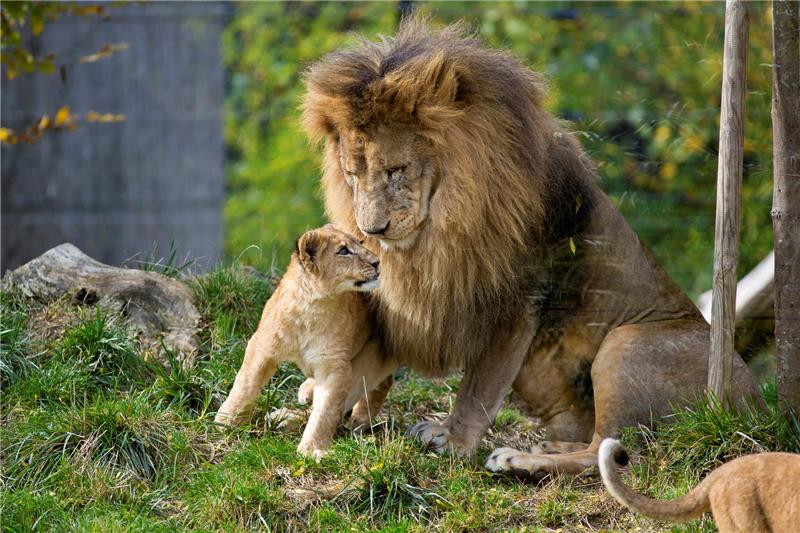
<point x="621" y="456"/>
<point x="612" y="455"/>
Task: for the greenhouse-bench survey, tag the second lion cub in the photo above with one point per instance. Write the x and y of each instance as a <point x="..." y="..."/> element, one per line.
<point x="317" y="319"/>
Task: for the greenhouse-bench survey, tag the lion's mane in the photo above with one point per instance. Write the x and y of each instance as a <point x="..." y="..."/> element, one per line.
<point x="508" y="183"/>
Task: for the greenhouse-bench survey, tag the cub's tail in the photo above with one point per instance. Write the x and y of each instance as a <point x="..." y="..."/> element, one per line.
<point x="691" y="505"/>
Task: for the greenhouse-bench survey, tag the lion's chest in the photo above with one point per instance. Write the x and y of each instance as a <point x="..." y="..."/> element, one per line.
<point x="428" y="330"/>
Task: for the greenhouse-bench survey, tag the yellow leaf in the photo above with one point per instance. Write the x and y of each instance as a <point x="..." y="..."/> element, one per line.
<point x="668" y="170"/>
<point x="694" y="144"/>
<point x="43" y="122"/>
<point x="37" y="23"/>
<point x="94" y="116"/>
<point x="662" y="133"/>
<point x="7" y="136"/>
<point x="104" y="52"/>
<point x="572" y="246"/>
<point x="62" y="116"/>
<point x="46" y="66"/>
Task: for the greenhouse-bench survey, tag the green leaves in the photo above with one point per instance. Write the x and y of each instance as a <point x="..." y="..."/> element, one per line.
<point x="273" y="174"/>
<point x="640" y="83"/>
<point x="16" y="17"/>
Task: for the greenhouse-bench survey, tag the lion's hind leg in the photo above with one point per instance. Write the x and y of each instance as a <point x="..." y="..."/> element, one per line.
<point x="538" y="466"/>
<point x="367" y="408"/>
<point x="305" y="393"/>
<point x="558" y="446"/>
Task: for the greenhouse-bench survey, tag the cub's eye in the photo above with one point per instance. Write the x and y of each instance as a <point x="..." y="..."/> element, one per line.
<point x="344" y="250"/>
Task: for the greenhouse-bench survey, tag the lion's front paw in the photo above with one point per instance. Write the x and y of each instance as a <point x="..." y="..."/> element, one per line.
<point x="286" y="419"/>
<point x="520" y="464"/>
<point x="305" y="394"/>
<point x="438" y="438"/>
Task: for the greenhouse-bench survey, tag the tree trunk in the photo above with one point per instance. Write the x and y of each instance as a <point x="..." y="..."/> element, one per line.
<point x="786" y="198"/>
<point x="729" y="180"/>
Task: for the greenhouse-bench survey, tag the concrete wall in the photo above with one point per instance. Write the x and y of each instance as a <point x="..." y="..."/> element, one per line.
<point x="114" y="190"/>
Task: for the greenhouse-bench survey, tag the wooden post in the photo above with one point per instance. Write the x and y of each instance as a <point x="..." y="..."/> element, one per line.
<point x="729" y="181"/>
<point x="786" y="198"/>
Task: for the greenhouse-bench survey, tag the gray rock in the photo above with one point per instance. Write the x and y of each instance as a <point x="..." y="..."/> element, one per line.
<point x="158" y="308"/>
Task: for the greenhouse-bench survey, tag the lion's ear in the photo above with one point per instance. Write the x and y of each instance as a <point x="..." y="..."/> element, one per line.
<point x="442" y="92"/>
<point x="318" y="113"/>
<point x="307" y="249"/>
<point x="439" y="78"/>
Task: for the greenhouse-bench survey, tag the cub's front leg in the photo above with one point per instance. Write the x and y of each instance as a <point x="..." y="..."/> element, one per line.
<point x="331" y="383"/>
<point x="258" y="366"/>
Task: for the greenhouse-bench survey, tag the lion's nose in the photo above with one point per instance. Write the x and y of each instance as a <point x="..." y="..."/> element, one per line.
<point x="375" y="231"/>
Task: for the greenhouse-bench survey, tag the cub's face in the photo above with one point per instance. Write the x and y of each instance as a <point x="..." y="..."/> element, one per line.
<point x="338" y="260"/>
<point x="390" y="172"/>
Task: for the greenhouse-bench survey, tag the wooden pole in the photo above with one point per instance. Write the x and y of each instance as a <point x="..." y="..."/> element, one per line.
<point x="729" y="181"/>
<point x="786" y="198"/>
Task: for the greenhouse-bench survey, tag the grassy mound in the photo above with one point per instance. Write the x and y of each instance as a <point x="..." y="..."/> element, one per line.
<point x="94" y="437"/>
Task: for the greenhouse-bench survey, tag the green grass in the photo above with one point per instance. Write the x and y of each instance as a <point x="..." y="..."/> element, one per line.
<point x="94" y="438"/>
<point x="702" y="437"/>
<point x="14" y="341"/>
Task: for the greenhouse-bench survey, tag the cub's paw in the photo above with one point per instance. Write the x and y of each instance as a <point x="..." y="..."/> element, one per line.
<point x="312" y="450"/>
<point x="517" y="463"/>
<point x="438" y="438"/>
<point x="224" y="419"/>
<point x="286" y="419"/>
<point x="305" y="394"/>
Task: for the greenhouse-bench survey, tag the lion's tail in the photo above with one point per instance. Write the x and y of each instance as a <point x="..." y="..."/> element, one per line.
<point x="690" y="506"/>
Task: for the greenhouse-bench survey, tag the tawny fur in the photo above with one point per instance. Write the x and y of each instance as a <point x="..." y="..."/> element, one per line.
<point x="472" y="224"/>
<point x="369" y="404"/>
<point x="500" y="255"/>
<point x="318" y="319"/>
<point x="751" y="494"/>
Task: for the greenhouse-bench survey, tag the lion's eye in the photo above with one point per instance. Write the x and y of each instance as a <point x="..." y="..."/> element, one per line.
<point x="344" y="250"/>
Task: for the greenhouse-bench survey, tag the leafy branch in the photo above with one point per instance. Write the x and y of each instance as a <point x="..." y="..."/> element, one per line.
<point x="15" y="18"/>
<point x="63" y="120"/>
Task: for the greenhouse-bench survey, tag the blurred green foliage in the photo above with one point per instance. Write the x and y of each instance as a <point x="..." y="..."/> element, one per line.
<point x="639" y="82"/>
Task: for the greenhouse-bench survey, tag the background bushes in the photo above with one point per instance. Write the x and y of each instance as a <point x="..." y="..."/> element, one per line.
<point x="639" y="83"/>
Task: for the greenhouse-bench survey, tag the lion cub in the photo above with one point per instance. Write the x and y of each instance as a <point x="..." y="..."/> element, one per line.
<point x="750" y="494"/>
<point x="317" y="319"/>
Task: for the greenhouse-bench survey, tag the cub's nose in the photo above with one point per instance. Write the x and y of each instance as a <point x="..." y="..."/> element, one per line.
<point x="376" y="266"/>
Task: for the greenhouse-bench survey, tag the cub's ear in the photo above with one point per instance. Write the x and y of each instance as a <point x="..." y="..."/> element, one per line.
<point x="308" y="247"/>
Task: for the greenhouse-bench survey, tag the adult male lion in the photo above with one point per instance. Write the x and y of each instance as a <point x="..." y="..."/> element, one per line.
<point x="499" y="253"/>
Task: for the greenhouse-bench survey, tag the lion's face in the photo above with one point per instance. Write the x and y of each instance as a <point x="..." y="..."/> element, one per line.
<point x="390" y="171"/>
